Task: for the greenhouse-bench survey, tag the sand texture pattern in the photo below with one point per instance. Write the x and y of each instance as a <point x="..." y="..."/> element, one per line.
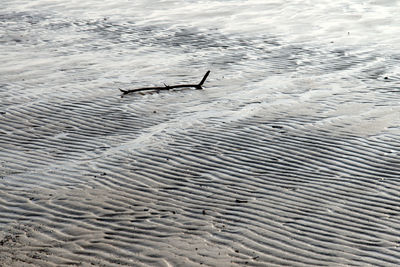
<point x="251" y="191"/>
<point x="289" y="156"/>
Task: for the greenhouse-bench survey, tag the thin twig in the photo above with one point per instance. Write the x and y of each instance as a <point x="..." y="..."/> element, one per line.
<point x="167" y="87"/>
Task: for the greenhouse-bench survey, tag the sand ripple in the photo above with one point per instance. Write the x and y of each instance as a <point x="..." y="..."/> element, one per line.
<point x="106" y="182"/>
<point x="289" y="157"/>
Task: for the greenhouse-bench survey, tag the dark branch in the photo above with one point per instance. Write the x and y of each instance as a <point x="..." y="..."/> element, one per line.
<point x="204" y="79"/>
<point x="168" y="87"/>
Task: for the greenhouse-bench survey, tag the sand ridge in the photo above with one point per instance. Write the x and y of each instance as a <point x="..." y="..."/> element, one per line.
<point x="246" y="192"/>
<point x="288" y="157"/>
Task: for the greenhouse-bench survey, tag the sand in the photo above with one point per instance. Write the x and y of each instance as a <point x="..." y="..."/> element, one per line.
<point x="115" y="182"/>
<point x="290" y="156"/>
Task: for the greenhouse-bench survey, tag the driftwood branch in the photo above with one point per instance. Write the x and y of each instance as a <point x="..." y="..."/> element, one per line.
<point x="168" y="87"/>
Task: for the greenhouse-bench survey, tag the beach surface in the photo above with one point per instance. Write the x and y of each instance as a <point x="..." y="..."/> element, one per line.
<point x="289" y="156"/>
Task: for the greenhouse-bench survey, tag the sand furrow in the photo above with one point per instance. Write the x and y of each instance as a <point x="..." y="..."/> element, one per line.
<point x="289" y="157"/>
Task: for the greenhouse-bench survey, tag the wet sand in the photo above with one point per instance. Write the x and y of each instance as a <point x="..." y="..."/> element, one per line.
<point x="290" y="156"/>
<point x="110" y="182"/>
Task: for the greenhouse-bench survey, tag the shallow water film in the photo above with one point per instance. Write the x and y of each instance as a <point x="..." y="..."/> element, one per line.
<point x="289" y="156"/>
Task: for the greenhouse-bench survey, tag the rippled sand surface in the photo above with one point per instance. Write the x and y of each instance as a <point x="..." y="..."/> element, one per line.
<point x="290" y="156"/>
